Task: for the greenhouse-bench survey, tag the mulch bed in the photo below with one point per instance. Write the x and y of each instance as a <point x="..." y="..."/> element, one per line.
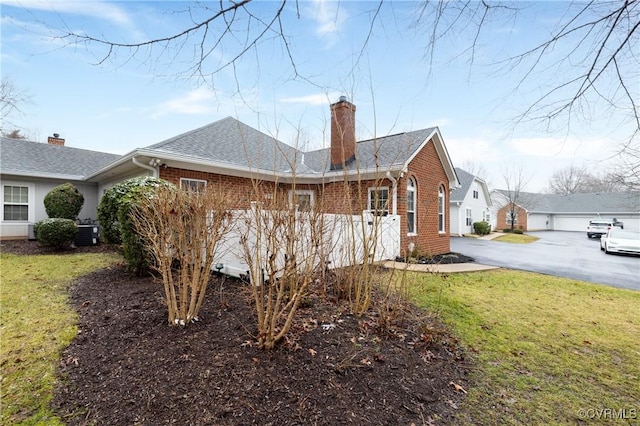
<point x="128" y="366"/>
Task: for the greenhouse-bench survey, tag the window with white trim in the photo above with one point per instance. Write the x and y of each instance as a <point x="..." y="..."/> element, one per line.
<point x="441" y="211"/>
<point x="15" y="203"/>
<point x="195" y="185"/>
<point x="411" y="206"/>
<point x="486" y="216"/>
<point x="476" y="194"/>
<point x="469" y="218"/>
<point x="302" y="199"/>
<point x="512" y="218"/>
<point x="379" y="200"/>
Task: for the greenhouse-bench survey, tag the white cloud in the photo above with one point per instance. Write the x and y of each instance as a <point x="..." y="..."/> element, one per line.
<point x="329" y="16"/>
<point x="318" y="99"/>
<point x="473" y="150"/>
<point x="196" y="102"/>
<point x="98" y="9"/>
<point x="557" y="147"/>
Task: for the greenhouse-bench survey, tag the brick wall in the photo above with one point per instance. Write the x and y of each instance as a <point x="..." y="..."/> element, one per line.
<point x="501" y="220"/>
<point x="351" y="198"/>
<point x="429" y="175"/>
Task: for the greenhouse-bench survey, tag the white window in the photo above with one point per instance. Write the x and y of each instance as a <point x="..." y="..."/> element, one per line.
<point x="15" y="203"/>
<point x="195" y="185"/>
<point x="302" y="199"/>
<point x="411" y="206"/>
<point x="441" y="211"/>
<point x="469" y="218"/>
<point x="475" y="194"/>
<point x="512" y="218"/>
<point x="379" y="200"/>
<point x="486" y="216"/>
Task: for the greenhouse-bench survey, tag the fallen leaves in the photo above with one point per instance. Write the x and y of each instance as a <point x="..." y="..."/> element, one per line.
<point x="457" y="387"/>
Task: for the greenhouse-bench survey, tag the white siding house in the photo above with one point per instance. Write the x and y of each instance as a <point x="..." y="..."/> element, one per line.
<point x="29" y="170"/>
<point x="469" y="203"/>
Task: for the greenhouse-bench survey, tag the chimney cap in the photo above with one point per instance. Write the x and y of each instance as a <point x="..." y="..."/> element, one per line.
<point x="56" y="135"/>
<point x="342" y="99"/>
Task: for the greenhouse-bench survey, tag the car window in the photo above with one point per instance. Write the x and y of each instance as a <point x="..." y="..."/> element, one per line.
<point x="620" y="233"/>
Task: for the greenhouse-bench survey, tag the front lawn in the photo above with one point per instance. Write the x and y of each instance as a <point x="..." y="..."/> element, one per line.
<point x="36" y="323"/>
<point x="549" y="350"/>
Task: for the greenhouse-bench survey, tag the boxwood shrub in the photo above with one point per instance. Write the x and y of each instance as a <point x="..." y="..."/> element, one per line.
<point x="64" y="201"/>
<point x="482" y="228"/>
<point x="56" y="232"/>
<point x="114" y="216"/>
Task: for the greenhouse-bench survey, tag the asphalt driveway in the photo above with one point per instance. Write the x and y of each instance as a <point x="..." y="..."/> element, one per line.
<point x="564" y="254"/>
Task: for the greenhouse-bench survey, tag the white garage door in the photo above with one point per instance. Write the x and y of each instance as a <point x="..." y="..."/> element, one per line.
<point x="571" y="222"/>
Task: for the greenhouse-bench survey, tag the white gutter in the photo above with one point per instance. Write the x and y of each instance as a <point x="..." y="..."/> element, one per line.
<point x="394" y="192"/>
<point x="154" y="171"/>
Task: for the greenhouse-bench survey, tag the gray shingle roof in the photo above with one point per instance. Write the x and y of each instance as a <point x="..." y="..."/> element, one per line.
<point x="231" y="142"/>
<point x="465" y="179"/>
<point x="383" y="152"/>
<point x="593" y="202"/>
<point x="20" y="157"/>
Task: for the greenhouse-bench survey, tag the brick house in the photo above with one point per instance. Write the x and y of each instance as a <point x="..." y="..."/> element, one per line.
<point x="408" y="174"/>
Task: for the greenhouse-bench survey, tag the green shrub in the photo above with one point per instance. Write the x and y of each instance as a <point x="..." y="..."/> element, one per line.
<point x="56" y="232"/>
<point x="114" y="198"/>
<point x="506" y="230"/>
<point x="114" y="216"/>
<point x="64" y="201"/>
<point x="482" y="228"/>
<point x="518" y="231"/>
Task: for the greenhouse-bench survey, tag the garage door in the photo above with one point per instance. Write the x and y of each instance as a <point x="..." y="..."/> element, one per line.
<point x="570" y="223"/>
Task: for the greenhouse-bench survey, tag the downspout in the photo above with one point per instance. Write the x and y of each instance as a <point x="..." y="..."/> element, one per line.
<point x="394" y="193"/>
<point x="154" y="171"/>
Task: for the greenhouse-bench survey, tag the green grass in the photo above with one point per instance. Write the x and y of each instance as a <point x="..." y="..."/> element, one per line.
<point x="36" y="323"/>
<point x="545" y="347"/>
<point x="516" y="238"/>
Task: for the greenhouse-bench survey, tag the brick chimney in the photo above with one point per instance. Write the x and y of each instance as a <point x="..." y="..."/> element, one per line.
<point x="343" y="133"/>
<point x="55" y="140"/>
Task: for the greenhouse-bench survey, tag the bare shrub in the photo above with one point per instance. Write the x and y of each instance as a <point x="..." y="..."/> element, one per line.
<point x="360" y="232"/>
<point x="281" y="244"/>
<point x="184" y="231"/>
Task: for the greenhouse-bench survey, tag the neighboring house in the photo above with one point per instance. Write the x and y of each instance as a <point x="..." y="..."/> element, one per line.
<point x="29" y="170"/>
<point x="565" y="212"/>
<point x="408" y="174"/>
<point x="471" y="202"/>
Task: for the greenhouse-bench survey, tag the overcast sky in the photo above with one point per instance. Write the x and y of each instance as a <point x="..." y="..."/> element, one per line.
<point x="129" y="102"/>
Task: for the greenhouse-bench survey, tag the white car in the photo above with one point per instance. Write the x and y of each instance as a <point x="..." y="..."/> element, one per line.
<point x="620" y="241"/>
<point x="599" y="227"/>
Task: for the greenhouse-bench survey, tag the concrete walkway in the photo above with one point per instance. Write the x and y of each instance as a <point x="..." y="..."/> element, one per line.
<point x="439" y="268"/>
<point x="448" y="268"/>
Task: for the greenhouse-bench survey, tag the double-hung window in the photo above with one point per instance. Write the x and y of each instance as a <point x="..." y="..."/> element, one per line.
<point x="379" y="200"/>
<point x="195" y="185"/>
<point x="469" y="218"/>
<point x="512" y="218"/>
<point x="301" y="199"/>
<point x="441" y="210"/>
<point x="411" y="206"/>
<point x="15" y="203"/>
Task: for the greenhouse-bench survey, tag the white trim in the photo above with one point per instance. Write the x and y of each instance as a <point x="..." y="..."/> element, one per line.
<point x="309" y="192"/>
<point x="184" y="180"/>
<point x="413" y="190"/>
<point x="370" y="190"/>
<point x="31" y="202"/>
<point x="441" y="204"/>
